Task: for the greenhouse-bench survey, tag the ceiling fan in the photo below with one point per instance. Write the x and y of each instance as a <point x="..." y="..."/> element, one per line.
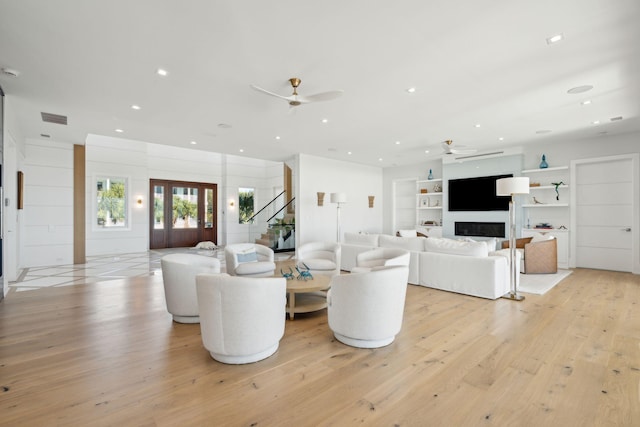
<point x="449" y="148"/>
<point x="295" y="99"/>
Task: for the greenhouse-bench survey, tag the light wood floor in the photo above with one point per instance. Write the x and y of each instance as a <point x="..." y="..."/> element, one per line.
<point x="109" y="354"/>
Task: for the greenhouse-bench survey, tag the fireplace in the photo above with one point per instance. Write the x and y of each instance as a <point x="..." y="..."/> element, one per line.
<point x="482" y="229"/>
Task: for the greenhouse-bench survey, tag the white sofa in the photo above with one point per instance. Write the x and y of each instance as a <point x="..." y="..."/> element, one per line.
<point x="462" y="266"/>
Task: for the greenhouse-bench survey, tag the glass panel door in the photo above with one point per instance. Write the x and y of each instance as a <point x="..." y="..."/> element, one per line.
<point x="158" y="207"/>
<point x="185" y="207"/>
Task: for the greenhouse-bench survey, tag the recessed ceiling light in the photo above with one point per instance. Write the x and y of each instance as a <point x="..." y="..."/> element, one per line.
<point x="380" y="159"/>
<point x="349" y="152"/>
<point x="242" y="150"/>
<point x="397" y="142"/>
<point x="135" y="107"/>
<point x="477" y="125"/>
<point x="595" y="122"/>
<point x="325" y="120"/>
<point x="501" y="139"/>
<point x="193" y="143"/>
<point x="541" y="131"/>
<point x="162" y="72"/>
<point x="554" y="39"/>
<point x="277" y="137"/>
<point x="586" y="102"/>
<point x="580" y="89"/>
<point x="426" y="151"/>
<point x="119" y="130"/>
<point x="411" y="89"/>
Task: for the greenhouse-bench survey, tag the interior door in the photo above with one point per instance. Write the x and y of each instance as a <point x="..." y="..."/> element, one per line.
<point x="604" y="214"/>
<point x="182" y="213"/>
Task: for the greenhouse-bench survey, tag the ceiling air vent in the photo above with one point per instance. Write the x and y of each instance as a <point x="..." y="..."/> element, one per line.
<point x="54" y="118"/>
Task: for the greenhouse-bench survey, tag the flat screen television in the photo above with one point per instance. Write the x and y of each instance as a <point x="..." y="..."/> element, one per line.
<point x="477" y="194"/>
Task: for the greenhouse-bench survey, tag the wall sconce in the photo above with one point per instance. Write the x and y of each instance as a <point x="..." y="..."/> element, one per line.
<point x="371" y="201"/>
<point x="139" y="201"/>
<point x="231" y="203"/>
<point x="320" y="198"/>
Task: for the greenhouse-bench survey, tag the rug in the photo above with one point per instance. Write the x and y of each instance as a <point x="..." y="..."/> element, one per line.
<point x="540" y="283"/>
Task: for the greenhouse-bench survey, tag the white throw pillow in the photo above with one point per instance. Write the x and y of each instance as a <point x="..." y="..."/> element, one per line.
<point x="538" y="237"/>
<point x="455" y="247"/>
<point x="408" y="233"/>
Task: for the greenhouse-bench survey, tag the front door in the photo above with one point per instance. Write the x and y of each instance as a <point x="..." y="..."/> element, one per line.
<point x="182" y="213"/>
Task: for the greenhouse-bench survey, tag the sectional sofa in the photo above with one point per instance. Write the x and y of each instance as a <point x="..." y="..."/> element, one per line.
<point x="462" y="266"/>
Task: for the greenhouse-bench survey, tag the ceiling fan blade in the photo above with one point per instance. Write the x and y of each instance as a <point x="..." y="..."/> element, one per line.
<point x="467" y="151"/>
<point x="323" y="96"/>
<point x="259" y="89"/>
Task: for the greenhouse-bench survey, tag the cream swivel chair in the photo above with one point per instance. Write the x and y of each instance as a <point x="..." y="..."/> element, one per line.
<point x="366" y="309"/>
<point x="249" y="260"/>
<point x="320" y="258"/>
<point x="241" y="318"/>
<point x="381" y="257"/>
<point x="179" y="278"/>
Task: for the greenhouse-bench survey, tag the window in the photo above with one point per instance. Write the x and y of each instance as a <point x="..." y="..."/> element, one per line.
<point x="245" y="202"/>
<point x="111" y="197"/>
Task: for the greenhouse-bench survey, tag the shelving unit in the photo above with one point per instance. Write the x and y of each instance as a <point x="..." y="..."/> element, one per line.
<point x="548" y="209"/>
<point x="428" y="206"/>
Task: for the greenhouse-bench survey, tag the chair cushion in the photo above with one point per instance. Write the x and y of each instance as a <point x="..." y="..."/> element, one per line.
<point x="257" y="267"/>
<point x="318" y="264"/>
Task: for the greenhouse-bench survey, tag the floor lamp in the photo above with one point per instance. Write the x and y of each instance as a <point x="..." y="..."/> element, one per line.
<point x="512" y="187"/>
<point x="338" y="198"/>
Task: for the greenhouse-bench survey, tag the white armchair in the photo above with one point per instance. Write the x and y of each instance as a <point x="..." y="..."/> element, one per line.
<point x="381" y="257"/>
<point x="179" y="277"/>
<point x="366" y="309"/>
<point x="241" y="318"/>
<point x="250" y="260"/>
<point x="320" y="258"/>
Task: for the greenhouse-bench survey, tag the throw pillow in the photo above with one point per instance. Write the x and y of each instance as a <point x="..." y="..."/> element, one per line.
<point x="249" y="256"/>
<point x="538" y="237"/>
<point x="407" y="233"/>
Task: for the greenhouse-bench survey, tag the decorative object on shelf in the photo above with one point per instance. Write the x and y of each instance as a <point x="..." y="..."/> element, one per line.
<point x="371" y="201"/>
<point x="423" y="191"/>
<point x="557" y="184"/>
<point x="534" y="184"/>
<point x="437" y="188"/>
<point x="437" y="203"/>
<point x="528" y="223"/>
<point x="425" y="202"/>
<point x="562" y="227"/>
<point x="543" y="163"/>
<point x="320" y="198"/>
<point x="544" y="225"/>
<point x="512" y="187"/>
<point x="430" y="174"/>
<point x="339" y="199"/>
<point x="535" y="201"/>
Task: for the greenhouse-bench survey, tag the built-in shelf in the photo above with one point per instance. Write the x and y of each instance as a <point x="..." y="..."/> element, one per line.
<point x="424" y="181"/>
<point x="429" y="207"/>
<point x="557" y="168"/>
<point x="430" y="194"/>
<point x="546" y="205"/>
<point x="547" y="230"/>
<point x="548" y="187"/>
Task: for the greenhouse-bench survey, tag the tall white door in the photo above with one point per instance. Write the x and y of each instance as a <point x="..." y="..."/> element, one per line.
<point x="404" y="204"/>
<point x="604" y="206"/>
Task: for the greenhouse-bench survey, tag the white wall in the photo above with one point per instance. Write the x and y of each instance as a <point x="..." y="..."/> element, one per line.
<point x="48" y="203"/>
<point x="318" y="223"/>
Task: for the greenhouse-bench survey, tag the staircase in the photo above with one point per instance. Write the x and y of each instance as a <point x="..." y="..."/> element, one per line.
<point x="279" y="234"/>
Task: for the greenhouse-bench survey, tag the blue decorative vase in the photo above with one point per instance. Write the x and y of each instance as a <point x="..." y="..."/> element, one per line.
<point x="543" y="163"/>
<point x="430" y="174"/>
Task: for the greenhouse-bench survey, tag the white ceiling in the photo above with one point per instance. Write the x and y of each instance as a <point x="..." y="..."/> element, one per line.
<point x="472" y="62"/>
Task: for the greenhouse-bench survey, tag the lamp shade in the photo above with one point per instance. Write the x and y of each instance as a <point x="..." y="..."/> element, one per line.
<point x="513" y="185"/>
<point x="338" y="198"/>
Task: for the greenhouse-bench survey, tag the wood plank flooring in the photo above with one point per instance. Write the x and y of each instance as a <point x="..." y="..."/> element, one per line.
<point x="108" y="353"/>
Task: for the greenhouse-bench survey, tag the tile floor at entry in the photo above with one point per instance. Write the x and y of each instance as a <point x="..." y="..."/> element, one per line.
<point x="108" y="267"/>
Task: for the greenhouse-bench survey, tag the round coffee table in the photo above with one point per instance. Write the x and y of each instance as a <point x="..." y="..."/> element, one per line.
<point x="304" y="296"/>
